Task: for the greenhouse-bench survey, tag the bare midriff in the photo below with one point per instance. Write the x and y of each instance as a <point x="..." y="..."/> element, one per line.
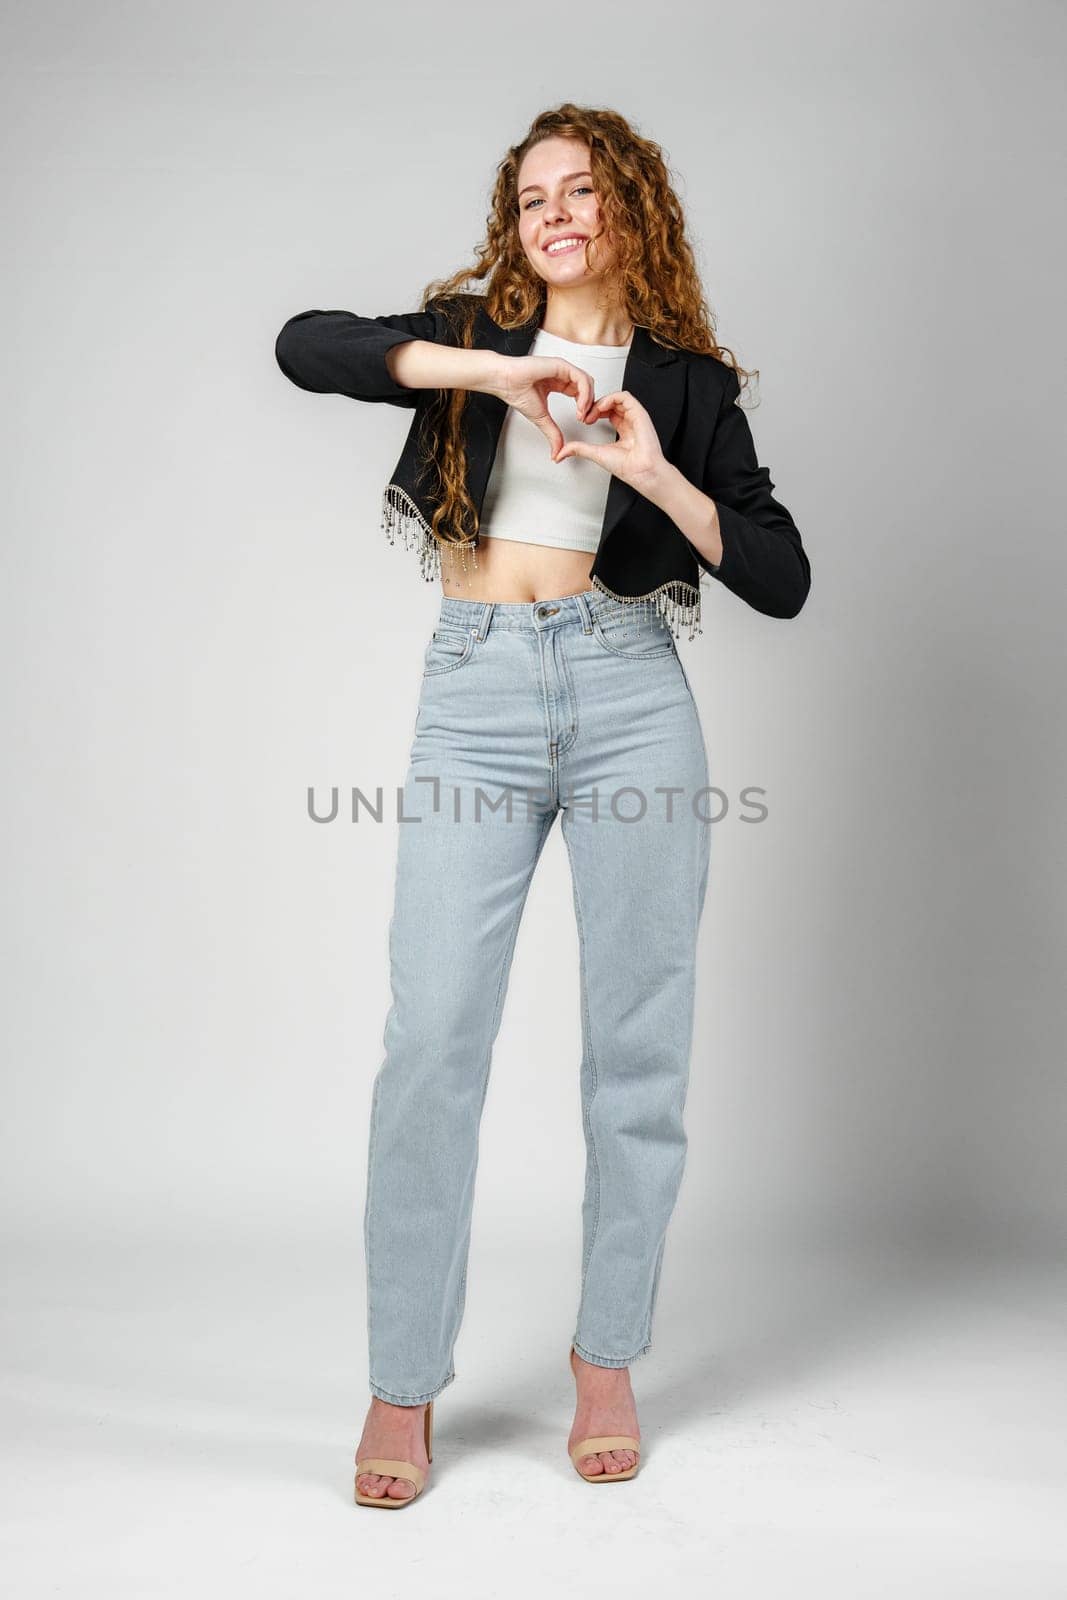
<point x="512" y="571"/>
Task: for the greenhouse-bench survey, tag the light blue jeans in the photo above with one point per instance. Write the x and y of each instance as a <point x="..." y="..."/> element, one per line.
<point x="571" y="705"/>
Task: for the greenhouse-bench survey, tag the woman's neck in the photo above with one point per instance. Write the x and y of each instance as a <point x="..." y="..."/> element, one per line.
<point x="577" y="316"/>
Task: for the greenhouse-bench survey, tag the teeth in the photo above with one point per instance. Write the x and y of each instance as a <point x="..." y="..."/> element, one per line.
<point x="560" y="244"/>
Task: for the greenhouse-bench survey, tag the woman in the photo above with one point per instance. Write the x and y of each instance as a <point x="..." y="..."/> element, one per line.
<point x="575" y="464"/>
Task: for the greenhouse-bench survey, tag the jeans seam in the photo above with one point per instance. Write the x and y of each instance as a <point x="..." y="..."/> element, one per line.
<point x="565" y="743"/>
<point x="453" y="666"/>
<point x="612" y="1361"/>
<point x="588" y="1110"/>
<point x="655" y="1287"/>
<point x="410" y="1399"/>
<point x="601" y="638"/>
<point x="696" y="712"/>
<point x="368" y="1229"/>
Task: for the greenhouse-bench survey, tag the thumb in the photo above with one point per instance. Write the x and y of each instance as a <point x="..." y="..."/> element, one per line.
<point x="575" y="447"/>
<point x="551" y="430"/>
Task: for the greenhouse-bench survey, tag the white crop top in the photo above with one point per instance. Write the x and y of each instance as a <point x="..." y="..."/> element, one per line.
<point x="530" y="497"/>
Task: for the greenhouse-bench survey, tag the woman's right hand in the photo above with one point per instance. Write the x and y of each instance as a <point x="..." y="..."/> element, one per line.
<point x="525" y="382"/>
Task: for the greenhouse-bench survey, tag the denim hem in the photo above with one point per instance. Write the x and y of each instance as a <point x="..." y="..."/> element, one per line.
<point x="610" y="1361"/>
<point x="410" y="1399"/>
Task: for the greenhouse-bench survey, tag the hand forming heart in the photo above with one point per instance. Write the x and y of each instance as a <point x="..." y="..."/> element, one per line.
<point x="636" y="455"/>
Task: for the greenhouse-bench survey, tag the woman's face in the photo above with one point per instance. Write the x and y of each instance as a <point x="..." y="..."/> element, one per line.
<point x="557" y="202"/>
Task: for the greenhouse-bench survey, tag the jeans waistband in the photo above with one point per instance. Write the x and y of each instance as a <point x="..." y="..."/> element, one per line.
<point x="527" y="616"/>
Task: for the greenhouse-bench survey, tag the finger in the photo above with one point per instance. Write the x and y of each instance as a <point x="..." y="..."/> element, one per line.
<point x="591" y="452"/>
<point x="586" y="401"/>
<point x="552" y="432"/>
<point x="621" y="402"/>
<point x="564" y="451"/>
<point x="624" y="400"/>
<point x="580" y="385"/>
<point x="593" y="411"/>
<point x="614" y="416"/>
<point x="581" y="392"/>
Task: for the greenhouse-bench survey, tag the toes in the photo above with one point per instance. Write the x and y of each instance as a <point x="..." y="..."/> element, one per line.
<point x="379" y="1485"/>
<point x="609" y="1461"/>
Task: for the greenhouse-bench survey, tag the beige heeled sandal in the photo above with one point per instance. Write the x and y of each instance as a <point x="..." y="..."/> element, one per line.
<point x="606" y="1441"/>
<point x="396" y="1469"/>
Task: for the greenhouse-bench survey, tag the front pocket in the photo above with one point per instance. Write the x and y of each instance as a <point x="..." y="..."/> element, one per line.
<point x="638" y="637"/>
<point x="448" y="649"/>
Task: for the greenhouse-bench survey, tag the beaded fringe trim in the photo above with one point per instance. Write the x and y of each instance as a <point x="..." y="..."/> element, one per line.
<point x="676" y="602"/>
<point x="402" y="519"/>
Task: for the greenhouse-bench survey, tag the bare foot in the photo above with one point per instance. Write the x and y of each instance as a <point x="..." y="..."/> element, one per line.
<point x="605" y="1405"/>
<point x="397" y="1433"/>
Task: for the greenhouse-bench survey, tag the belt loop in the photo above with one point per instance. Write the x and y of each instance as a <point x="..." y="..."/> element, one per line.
<point x="583" y="607"/>
<point x="482" y="627"/>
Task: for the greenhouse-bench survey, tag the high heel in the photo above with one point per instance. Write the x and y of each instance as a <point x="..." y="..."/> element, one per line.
<point x="607" y="1441"/>
<point x="396" y="1469"/>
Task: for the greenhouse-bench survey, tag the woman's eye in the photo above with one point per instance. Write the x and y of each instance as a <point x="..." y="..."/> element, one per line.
<point x="587" y="187"/>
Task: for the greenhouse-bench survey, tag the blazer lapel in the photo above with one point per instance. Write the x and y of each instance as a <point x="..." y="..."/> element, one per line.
<point x="652" y="374"/>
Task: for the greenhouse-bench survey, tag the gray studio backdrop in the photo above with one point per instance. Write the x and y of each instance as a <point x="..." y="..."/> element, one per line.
<point x="202" y="617"/>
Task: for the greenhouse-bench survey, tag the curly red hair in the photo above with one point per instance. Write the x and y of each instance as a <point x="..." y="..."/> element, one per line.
<point x="653" y="277"/>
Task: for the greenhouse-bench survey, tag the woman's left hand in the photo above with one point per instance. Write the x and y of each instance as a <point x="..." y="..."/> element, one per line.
<point x="636" y="456"/>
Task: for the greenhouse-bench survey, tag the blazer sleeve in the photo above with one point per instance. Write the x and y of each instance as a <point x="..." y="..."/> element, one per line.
<point x="763" y="560"/>
<point x="338" y="352"/>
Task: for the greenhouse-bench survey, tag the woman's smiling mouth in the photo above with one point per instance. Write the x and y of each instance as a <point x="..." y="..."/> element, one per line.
<point x="564" y="244"/>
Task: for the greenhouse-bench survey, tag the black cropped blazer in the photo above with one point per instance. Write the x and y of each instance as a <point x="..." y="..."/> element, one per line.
<point x="642" y="557"/>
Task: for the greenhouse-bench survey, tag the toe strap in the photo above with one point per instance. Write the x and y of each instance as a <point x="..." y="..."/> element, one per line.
<point x="605" y="1441"/>
<point x="392" y="1469"/>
